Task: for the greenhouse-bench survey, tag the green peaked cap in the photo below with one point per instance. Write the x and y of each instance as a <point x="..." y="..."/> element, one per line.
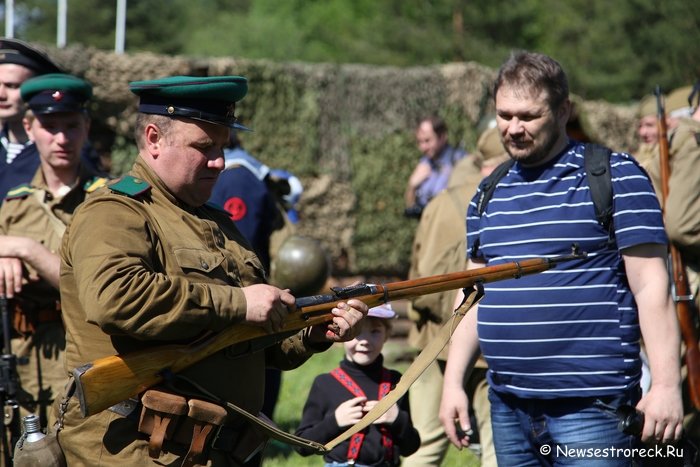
<point x="210" y="99"/>
<point x="56" y="92"/>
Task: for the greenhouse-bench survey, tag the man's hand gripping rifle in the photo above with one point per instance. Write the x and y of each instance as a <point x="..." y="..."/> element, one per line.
<point x="110" y="380"/>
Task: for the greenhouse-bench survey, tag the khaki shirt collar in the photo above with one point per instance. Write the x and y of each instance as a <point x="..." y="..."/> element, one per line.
<point x="84" y="174"/>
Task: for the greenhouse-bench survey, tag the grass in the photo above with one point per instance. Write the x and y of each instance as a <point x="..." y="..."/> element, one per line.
<point x="293" y="393"/>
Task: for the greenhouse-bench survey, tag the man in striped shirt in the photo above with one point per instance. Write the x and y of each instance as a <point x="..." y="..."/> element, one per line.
<point x="563" y="346"/>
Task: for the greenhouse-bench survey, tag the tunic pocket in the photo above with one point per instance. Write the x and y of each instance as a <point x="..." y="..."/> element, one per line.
<point x="198" y="260"/>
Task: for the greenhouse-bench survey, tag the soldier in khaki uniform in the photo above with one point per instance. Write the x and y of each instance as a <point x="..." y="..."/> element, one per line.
<point x="19" y="158"/>
<point x="32" y="221"/>
<point x="146" y="262"/>
<point x="647" y="130"/>
<point x="682" y="209"/>
<point x="438" y="248"/>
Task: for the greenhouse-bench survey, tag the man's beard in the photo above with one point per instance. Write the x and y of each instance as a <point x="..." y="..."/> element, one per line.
<point x="536" y="155"/>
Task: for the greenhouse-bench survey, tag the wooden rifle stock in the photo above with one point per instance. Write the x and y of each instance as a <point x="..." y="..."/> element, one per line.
<point x="682" y="297"/>
<point x="110" y="380"/>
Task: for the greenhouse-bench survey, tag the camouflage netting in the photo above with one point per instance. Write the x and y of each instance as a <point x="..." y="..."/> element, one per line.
<point x="345" y="130"/>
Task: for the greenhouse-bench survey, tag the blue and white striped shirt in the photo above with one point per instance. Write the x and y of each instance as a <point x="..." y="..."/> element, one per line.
<point x="571" y="331"/>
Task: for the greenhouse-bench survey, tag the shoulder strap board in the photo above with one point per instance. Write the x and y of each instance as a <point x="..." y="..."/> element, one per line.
<point x="21" y="191"/>
<point x="488" y="184"/>
<point x="130" y="186"/>
<point x="94" y="183"/>
<point x="597" y="164"/>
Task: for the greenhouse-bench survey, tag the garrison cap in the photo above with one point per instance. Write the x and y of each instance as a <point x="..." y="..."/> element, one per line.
<point x="56" y="92"/>
<point x="677" y="102"/>
<point x="211" y="99"/>
<point x="489" y="144"/>
<point x="647" y="106"/>
<point x="21" y="53"/>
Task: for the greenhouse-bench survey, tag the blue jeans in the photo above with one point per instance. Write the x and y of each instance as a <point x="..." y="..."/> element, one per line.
<point x="557" y="432"/>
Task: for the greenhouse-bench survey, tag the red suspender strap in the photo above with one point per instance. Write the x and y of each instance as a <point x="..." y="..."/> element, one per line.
<point x="357" y="439"/>
<point x="387" y="440"/>
<point x="350" y="384"/>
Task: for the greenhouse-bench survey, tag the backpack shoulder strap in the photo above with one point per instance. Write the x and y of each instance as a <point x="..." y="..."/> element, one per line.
<point x="486" y="189"/>
<point x="597" y="164"/>
<point x="488" y="184"/>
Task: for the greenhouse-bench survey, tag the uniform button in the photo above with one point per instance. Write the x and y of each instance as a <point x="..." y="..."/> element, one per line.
<point x="205" y="266"/>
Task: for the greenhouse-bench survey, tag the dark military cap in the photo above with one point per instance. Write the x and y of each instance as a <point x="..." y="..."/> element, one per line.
<point x="20" y="53"/>
<point x="210" y="99"/>
<point x="56" y="92"/>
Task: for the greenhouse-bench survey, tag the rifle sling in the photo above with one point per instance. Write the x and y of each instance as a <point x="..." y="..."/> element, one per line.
<point x="422" y="361"/>
<point x="270" y="431"/>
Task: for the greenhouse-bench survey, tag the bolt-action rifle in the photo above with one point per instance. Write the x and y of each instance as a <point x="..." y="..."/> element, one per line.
<point x="110" y="380"/>
<point x="680" y="289"/>
<point x="9" y="387"/>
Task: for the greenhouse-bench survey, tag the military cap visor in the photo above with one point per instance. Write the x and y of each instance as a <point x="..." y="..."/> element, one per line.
<point x="56" y="92"/>
<point x="21" y="53"/>
<point x="210" y="99"/>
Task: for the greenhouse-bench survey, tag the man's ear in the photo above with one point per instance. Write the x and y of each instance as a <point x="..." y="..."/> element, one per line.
<point x="564" y="112"/>
<point x="153" y="137"/>
<point x="27" y="124"/>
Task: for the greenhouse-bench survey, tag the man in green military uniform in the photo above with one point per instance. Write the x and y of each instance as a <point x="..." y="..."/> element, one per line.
<point x="146" y="262"/>
<point x="32" y="221"/>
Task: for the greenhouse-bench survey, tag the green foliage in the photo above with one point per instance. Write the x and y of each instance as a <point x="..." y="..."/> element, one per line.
<point x="155" y="25"/>
<point x="612" y="50"/>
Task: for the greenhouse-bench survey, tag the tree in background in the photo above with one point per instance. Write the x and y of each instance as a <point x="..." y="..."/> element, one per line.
<point x="615" y="51"/>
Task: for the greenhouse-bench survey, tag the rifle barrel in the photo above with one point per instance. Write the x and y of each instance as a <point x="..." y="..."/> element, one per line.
<point x="135" y="372"/>
<point x="685" y="309"/>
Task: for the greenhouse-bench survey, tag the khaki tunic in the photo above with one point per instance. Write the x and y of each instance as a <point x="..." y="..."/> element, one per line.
<point x="646" y="152"/>
<point x="145" y="270"/>
<point x="682" y="209"/>
<point x="41" y="217"/>
<point x="439" y="247"/>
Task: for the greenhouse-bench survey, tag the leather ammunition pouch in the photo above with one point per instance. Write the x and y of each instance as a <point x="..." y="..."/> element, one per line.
<point x="28" y="315"/>
<point x="196" y="424"/>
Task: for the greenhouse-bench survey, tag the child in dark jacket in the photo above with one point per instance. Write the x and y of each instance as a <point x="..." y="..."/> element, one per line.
<point x="339" y="399"/>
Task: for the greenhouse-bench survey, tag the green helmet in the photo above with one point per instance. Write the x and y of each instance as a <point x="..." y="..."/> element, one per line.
<point x="300" y="265"/>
